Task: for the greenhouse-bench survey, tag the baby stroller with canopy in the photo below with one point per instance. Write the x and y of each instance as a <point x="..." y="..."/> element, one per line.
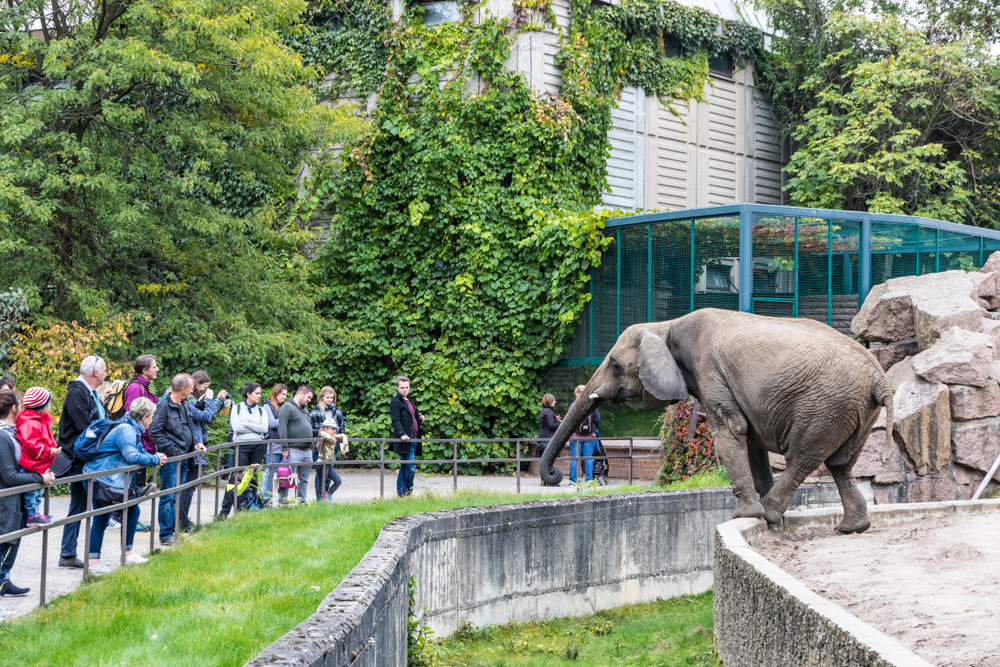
<point x="601" y="465"/>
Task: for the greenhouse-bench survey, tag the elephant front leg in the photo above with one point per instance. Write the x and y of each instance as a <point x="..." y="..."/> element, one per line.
<point x="760" y="468"/>
<point x="734" y="456"/>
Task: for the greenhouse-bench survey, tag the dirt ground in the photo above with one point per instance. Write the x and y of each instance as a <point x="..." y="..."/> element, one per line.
<point x="933" y="585"/>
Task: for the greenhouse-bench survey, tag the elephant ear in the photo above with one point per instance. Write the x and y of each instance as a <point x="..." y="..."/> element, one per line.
<point x="657" y="369"/>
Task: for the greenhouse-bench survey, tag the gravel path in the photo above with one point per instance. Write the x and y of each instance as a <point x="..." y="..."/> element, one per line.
<point x="358" y="486"/>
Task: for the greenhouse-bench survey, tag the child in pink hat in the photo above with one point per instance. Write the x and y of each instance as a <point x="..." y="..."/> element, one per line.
<point x="38" y="447"/>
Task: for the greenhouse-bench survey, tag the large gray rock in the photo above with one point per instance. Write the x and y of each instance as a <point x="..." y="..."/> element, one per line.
<point x="991" y="327"/>
<point x="900" y="373"/>
<point x="944" y="300"/>
<point x="891" y="354"/>
<point x="959" y="357"/>
<point x="986" y="283"/>
<point x="992" y="263"/>
<point x="968" y="403"/>
<point x="919" y="306"/>
<point x="922" y="418"/>
<point x="977" y="443"/>
<point x="879" y="460"/>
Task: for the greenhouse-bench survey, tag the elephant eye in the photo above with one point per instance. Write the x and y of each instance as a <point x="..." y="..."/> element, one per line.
<point x="616" y="368"/>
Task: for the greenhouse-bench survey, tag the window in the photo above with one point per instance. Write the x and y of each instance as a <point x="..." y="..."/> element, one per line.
<point x="436" y="13"/>
<point x="671" y="47"/>
<point x="721" y="64"/>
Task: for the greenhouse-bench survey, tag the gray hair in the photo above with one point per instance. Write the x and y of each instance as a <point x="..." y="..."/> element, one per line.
<point x="90" y="364"/>
<point x="141" y="407"/>
<point x="181" y="382"/>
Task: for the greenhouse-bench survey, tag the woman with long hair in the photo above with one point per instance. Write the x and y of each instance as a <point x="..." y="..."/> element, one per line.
<point x="279" y="394"/>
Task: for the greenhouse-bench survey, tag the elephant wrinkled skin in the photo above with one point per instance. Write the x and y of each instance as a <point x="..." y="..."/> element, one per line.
<point x="791" y="386"/>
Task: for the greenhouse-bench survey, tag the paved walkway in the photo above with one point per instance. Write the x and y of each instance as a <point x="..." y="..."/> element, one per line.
<point x="358" y="486"/>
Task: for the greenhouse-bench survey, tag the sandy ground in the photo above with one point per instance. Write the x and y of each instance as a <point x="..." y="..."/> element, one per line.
<point x="357" y="487"/>
<point x="932" y="585"/>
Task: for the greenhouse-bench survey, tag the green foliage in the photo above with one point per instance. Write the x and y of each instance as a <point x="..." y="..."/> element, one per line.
<point x="664" y="632"/>
<point x="344" y="40"/>
<point x="890" y="112"/>
<point x="144" y="159"/>
<point x="13" y="309"/>
<point x="683" y="458"/>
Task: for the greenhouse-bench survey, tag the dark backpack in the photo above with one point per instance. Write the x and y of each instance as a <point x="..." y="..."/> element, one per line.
<point x="88" y="446"/>
<point x="587" y="427"/>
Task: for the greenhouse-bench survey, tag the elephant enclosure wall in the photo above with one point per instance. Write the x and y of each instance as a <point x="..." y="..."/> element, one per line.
<point x="920" y="587"/>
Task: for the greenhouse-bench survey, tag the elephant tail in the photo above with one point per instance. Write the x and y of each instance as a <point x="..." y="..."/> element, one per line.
<point x="882" y="394"/>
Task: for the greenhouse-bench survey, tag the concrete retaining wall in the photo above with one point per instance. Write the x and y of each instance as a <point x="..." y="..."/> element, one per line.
<point x="764" y="616"/>
<point x="504" y="563"/>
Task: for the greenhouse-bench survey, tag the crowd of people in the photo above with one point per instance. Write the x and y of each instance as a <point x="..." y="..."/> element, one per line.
<point x="102" y="430"/>
<point x="99" y="434"/>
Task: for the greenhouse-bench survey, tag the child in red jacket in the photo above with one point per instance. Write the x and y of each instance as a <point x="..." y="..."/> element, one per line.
<point x="38" y="447"/>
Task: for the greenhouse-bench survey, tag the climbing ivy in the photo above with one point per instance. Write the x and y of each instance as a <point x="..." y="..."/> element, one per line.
<point x="464" y="226"/>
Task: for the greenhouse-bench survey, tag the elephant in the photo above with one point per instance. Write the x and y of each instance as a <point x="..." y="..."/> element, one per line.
<point x="795" y="387"/>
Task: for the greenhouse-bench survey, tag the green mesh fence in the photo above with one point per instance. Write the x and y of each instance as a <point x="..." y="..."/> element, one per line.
<point x="605" y="299"/>
<point x="671" y="246"/>
<point x="801" y="267"/>
<point x="774" y="265"/>
<point x="716" y="279"/>
<point x="894" y="251"/>
<point x="634" y="271"/>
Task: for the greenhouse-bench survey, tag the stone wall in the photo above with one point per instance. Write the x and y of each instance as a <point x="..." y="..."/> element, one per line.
<point x="936" y="336"/>
<point x="764" y="616"/>
<point x="517" y="562"/>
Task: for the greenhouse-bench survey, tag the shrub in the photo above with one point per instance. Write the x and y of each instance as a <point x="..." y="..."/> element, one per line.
<point x="681" y="458"/>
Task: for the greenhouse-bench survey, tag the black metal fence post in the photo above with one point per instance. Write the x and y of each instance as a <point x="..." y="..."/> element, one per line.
<point x="454" y="466"/>
<point x="45" y="549"/>
<point x="631" y="442"/>
<point x="153" y="506"/>
<point x="517" y="444"/>
<point x="86" y="538"/>
<point x="200" y="472"/>
<point x="125" y="512"/>
<point x="381" y="470"/>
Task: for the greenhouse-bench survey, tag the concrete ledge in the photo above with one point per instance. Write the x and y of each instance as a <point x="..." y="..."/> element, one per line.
<point x="764" y="616"/>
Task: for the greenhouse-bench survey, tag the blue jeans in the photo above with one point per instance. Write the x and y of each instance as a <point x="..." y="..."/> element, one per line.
<point x="404" y="481"/>
<point x="275" y="458"/>
<point x="333" y="480"/>
<point x="100" y="522"/>
<point x="32" y="499"/>
<point x="168" y="504"/>
<point x="8" y="553"/>
<point x="77" y="505"/>
<point x="587" y="449"/>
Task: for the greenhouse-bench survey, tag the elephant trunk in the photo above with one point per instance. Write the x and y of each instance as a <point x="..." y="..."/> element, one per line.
<point x="581" y="408"/>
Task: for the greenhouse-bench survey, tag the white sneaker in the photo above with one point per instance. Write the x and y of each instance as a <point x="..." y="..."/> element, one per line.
<point x="113" y="524"/>
<point x="100" y="568"/>
<point x="135" y="559"/>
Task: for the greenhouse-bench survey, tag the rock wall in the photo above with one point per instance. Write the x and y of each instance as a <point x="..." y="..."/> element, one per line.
<point x="936" y="336"/>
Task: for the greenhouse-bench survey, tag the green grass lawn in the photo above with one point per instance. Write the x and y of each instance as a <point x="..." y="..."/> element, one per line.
<point x="221" y="595"/>
<point x="665" y="633"/>
<point x="624" y="422"/>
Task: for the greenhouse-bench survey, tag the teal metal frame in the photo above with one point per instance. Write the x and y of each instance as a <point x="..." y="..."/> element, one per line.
<point x="746" y="213"/>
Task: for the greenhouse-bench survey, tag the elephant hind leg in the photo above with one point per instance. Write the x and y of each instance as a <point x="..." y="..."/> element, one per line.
<point x="841" y="465"/>
<point x="760" y="468"/>
<point x="734" y="456"/>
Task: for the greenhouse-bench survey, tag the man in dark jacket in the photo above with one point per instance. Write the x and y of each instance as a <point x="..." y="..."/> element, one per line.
<point x="174" y="433"/>
<point x="81" y="407"/>
<point x="406" y="424"/>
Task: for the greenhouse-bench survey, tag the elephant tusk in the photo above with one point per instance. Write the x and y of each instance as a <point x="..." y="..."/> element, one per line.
<point x="594" y="396"/>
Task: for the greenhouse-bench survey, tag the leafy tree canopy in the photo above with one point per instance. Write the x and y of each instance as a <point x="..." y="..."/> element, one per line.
<point x="146" y="152"/>
<point x="890" y="106"/>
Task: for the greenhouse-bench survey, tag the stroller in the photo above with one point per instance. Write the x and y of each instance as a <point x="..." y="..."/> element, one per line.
<point x="601" y="465"/>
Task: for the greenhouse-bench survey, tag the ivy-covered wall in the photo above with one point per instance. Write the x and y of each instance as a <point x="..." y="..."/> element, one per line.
<point x="464" y="227"/>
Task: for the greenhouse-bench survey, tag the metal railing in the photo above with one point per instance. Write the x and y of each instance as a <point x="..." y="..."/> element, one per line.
<point x="217" y="475"/>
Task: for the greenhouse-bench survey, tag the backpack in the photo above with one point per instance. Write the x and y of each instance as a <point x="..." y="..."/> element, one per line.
<point x="284" y="477"/>
<point x="587" y="427"/>
<point x="113" y="398"/>
<point x="88" y="446"/>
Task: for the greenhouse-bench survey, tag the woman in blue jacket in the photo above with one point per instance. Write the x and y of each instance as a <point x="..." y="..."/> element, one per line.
<point x="121" y="447"/>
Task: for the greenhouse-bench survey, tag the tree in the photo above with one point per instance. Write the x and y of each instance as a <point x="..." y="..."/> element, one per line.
<point x="894" y="113"/>
<point x="147" y="150"/>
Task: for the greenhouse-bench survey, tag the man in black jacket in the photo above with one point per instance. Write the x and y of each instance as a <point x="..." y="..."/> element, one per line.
<point x="81" y="407"/>
<point x="173" y="433"/>
<point x="406" y="424"/>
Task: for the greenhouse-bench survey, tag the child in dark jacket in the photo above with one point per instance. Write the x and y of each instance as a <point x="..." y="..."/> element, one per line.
<point x="548" y="423"/>
<point x="38" y="447"/>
